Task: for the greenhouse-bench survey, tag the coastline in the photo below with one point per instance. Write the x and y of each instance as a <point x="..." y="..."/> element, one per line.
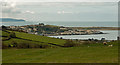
<point x="87" y="28"/>
<point x="96" y="28"/>
<point x="72" y="34"/>
<point x="112" y="35"/>
<point x="51" y="30"/>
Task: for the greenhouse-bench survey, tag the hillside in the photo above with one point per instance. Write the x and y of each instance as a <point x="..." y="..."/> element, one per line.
<point x="10" y="20"/>
<point x="30" y="39"/>
<point x="19" y="47"/>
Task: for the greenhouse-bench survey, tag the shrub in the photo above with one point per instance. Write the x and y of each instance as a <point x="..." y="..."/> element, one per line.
<point x="31" y="45"/>
<point x="14" y="43"/>
<point x="69" y="43"/>
<point x="12" y="35"/>
<point x="44" y="46"/>
<point x="23" y="45"/>
<point x="4" y="27"/>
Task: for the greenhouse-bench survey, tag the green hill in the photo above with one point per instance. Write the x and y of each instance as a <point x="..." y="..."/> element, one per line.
<point x="84" y="53"/>
<point x="30" y="39"/>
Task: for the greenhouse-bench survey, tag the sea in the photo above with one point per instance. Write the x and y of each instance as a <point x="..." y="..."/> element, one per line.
<point x="66" y="24"/>
<point x="112" y="34"/>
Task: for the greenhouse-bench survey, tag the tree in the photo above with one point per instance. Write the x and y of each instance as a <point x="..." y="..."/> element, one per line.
<point x="41" y="23"/>
<point x="12" y="35"/>
<point x="4" y="27"/>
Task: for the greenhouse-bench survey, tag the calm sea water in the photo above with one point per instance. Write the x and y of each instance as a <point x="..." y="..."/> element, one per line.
<point x="112" y="35"/>
<point x="67" y="24"/>
<point x="85" y="24"/>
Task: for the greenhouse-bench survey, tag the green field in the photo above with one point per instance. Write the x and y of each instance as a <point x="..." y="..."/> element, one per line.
<point x="31" y="38"/>
<point x="62" y="55"/>
<point x="84" y="53"/>
<point x="40" y="38"/>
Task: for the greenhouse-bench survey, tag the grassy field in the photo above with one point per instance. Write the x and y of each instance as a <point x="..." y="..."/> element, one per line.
<point x="40" y="38"/>
<point x="30" y="38"/>
<point x="84" y="54"/>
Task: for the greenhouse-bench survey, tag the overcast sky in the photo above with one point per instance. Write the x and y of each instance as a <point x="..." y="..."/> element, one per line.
<point x="61" y="11"/>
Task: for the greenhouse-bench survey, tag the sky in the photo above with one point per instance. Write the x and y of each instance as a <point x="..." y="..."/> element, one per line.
<point x="49" y="10"/>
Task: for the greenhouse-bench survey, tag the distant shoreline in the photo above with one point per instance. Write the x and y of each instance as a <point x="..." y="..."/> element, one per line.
<point x="73" y="34"/>
<point x="96" y="28"/>
<point x="52" y="30"/>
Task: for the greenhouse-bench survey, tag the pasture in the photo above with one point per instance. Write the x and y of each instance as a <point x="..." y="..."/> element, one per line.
<point x="82" y="54"/>
<point x="30" y="39"/>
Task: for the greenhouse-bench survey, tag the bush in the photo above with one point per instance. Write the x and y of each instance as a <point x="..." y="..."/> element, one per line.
<point x="4" y="27"/>
<point x="69" y="43"/>
<point x="14" y="44"/>
<point x="12" y="35"/>
<point x="44" y="46"/>
<point x="22" y="45"/>
<point x="30" y="45"/>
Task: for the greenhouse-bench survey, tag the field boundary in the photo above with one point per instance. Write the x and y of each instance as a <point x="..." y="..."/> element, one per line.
<point x="60" y="64"/>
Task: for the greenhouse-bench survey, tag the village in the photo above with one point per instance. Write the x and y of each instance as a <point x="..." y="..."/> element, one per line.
<point x="49" y="30"/>
<point x="81" y="32"/>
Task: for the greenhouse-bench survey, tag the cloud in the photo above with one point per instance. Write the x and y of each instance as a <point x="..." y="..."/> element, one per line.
<point x="9" y="9"/>
<point x="65" y="0"/>
<point x="31" y="12"/>
<point x="64" y="12"/>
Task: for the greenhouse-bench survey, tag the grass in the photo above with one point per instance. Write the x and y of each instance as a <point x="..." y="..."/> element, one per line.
<point x="39" y="38"/>
<point x="3" y="33"/>
<point x="84" y="54"/>
<point x="30" y="39"/>
<point x="19" y="41"/>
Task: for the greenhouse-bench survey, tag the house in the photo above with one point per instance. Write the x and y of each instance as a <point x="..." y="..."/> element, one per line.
<point x="62" y="28"/>
<point x="35" y="29"/>
<point x="36" y="33"/>
<point x="12" y="27"/>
